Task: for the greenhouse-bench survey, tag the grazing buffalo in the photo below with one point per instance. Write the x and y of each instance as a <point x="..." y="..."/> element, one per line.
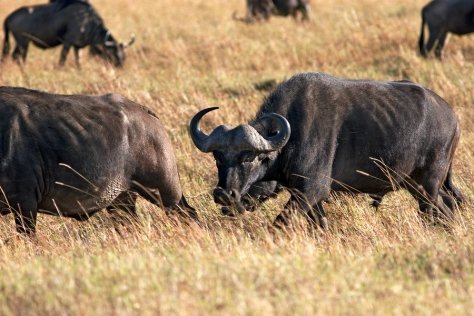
<point x="71" y="23"/>
<point x="73" y="155"/>
<point x="317" y="133"/>
<point x="51" y="1"/>
<point x="263" y="9"/>
<point x="443" y="17"/>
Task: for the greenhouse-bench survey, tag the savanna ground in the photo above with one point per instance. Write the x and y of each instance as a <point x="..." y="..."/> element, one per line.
<point x="190" y="54"/>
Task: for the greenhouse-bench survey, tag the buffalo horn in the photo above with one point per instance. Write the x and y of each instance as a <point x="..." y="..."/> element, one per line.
<point x="282" y="136"/>
<point x="199" y="138"/>
<point x="131" y="41"/>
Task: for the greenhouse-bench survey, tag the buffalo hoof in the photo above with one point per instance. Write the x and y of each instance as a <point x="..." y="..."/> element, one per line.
<point x="234" y="210"/>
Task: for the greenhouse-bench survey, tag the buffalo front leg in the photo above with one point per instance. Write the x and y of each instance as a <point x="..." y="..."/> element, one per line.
<point x="21" y="49"/>
<point x="299" y="203"/>
<point x="306" y="198"/>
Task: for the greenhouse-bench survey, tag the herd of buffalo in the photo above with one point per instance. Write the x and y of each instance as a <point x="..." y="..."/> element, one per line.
<point x="73" y="155"/>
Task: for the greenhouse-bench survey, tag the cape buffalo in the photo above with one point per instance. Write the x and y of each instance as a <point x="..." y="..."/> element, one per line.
<point x="443" y="17"/>
<point x="73" y="155"/>
<point x="263" y="9"/>
<point x="71" y="23"/>
<point x="317" y="133"/>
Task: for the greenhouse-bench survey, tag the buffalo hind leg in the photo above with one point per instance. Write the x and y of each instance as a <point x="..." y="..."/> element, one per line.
<point x="440" y="45"/>
<point x="63" y="56"/>
<point x="430" y="199"/>
<point x="125" y="202"/>
<point x="435" y="32"/>
<point x="25" y="218"/>
<point x="77" y="57"/>
<point x="448" y="200"/>
<point x="451" y="189"/>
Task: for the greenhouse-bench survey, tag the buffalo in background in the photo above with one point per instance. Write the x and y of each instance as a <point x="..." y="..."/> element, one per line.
<point x="264" y="9"/>
<point x="443" y="17"/>
<point x="70" y="23"/>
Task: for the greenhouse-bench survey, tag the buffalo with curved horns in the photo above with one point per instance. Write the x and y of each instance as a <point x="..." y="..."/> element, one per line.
<point x="72" y="155"/>
<point x="317" y="133"/>
<point x="443" y="17"/>
<point x="70" y="23"/>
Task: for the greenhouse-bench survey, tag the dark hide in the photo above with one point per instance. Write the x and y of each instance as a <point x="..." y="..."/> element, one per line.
<point x="73" y="155"/>
<point x="70" y="23"/>
<point x="443" y="17"/>
<point x="263" y="9"/>
<point x="346" y="135"/>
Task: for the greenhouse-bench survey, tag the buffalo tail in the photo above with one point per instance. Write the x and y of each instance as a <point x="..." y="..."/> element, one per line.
<point x="421" y="41"/>
<point x="6" y="41"/>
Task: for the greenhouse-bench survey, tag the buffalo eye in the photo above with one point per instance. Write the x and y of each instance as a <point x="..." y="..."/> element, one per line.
<point x="247" y="156"/>
<point x="272" y="133"/>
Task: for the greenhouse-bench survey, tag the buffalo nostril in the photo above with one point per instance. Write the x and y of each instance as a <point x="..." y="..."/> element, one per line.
<point x="235" y="195"/>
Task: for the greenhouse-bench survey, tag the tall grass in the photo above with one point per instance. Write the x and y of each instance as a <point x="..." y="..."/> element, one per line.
<point x="190" y="54"/>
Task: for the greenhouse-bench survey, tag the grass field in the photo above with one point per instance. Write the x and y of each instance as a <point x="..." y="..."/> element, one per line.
<point x="189" y="55"/>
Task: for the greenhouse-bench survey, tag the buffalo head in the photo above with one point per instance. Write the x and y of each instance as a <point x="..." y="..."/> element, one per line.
<point x="243" y="154"/>
<point x="111" y="50"/>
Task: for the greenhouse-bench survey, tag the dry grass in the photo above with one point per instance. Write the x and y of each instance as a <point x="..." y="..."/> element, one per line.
<point x="190" y="54"/>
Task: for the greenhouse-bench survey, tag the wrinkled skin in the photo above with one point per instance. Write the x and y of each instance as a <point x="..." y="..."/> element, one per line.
<point x="70" y="23"/>
<point x="346" y="136"/>
<point x="443" y="17"/>
<point x="73" y="155"/>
